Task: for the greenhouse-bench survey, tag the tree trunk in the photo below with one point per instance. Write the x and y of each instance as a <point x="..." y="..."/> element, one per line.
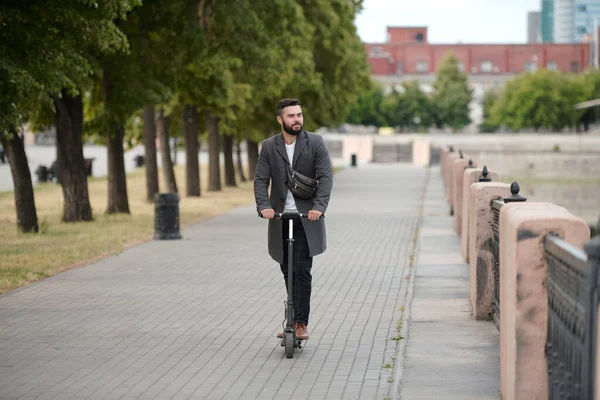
<point x="150" y="152"/>
<point x="228" y="155"/>
<point x="117" y="180"/>
<point x="192" y="168"/>
<point x="21" y="175"/>
<point x="214" y="149"/>
<point x="162" y="127"/>
<point x="70" y="163"/>
<point x="240" y="165"/>
<point x="252" y="157"/>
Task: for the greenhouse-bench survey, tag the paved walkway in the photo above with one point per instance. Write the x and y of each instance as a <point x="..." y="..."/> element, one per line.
<point x="448" y="354"/>
<point x="197" y="318"/>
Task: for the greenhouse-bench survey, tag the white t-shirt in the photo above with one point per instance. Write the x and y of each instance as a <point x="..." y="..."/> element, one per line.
<point x="290" y="204"/>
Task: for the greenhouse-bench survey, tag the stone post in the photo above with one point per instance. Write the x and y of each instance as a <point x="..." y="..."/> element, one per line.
<point x="458" y="167"/>
<point x="471" y="176"/>
<point x="448" y="177"/>
<point x="481" y="242"/>
<point x="421" y="149"/>
<point x="523" y="296"/>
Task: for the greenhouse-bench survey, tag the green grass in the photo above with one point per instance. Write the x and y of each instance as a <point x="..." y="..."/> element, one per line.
<point x="26" y="258"/>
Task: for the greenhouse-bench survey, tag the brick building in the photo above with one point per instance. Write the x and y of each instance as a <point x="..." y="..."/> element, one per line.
<point x="407" y="52"/>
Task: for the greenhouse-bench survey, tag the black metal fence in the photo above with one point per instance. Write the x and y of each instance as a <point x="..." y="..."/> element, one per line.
<point x="592" y="249"/>
<point x="567" y="288"/>
<point x="496" y="206"/>
<point x="573" y="300"/>
<point x="392" y="152"/>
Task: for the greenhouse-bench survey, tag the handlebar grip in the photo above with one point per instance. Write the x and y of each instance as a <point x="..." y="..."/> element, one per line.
<point x="290" y="215"/>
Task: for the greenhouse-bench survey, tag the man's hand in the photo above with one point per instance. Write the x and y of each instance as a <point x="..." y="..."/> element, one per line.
<point x="268" y="213"/>
<point x="314" y="215"/>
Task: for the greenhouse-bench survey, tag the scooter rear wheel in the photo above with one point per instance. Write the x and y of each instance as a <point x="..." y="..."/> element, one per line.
<point x="289" y="344"/>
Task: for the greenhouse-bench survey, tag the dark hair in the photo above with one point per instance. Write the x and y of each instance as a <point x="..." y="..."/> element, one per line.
<point x="281" y="104"/>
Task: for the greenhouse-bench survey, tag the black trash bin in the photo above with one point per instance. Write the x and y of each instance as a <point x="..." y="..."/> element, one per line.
<point x="87" y="162"/>
<point x="2" y="159"/>
<point x="166" y="216"/>
<point x="42" y="173"/>
<point x="353" y="160"/>
<point x="139" y="161"/>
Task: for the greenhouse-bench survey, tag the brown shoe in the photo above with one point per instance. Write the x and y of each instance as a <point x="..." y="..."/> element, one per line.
<point x="301" y="332"/>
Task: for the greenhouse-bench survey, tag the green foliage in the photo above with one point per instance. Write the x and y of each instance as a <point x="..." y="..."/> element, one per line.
<point x="540" y="100"/>
<point x="405" y="108"/>
<point x="411" y="109"/>
<point x="339" y="56"/>
<point x="233" y="58"/>
<point x="490" y="97"/>
<point x="370" y="108"/>
<point x="452" y="94"/>
<point x="162" y="36"/>
<point x="44" y="48"/>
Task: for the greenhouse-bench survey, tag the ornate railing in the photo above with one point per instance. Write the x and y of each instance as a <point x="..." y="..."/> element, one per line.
<point x="496" y="206"/>
<point x="568" y="291"/>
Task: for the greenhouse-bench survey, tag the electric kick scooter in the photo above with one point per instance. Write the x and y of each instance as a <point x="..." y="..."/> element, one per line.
<point x="290" y="341"/>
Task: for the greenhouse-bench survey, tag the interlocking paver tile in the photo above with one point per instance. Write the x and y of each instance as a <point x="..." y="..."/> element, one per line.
<point x="197" y="317"/>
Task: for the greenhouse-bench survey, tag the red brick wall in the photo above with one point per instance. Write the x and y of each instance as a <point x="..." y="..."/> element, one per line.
<point x="440" y="52"/>
<point x="410" y="55"/>
<point x="505" y="58"/>
<point x="382" y="66"/>
<point x="496" y="54"/>
<point x="405" y="35"/>
<point x="563" y="55"/>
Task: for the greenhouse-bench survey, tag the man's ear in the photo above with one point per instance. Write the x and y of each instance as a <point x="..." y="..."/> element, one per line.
<point x="279" y="120"/>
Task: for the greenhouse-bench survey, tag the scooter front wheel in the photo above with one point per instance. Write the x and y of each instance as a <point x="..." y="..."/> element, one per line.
<point x="289" y="344"/>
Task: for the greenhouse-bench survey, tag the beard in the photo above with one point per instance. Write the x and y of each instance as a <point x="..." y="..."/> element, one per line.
<point x="291" y="131"/>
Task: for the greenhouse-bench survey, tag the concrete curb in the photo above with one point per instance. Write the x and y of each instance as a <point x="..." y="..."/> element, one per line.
<point x="396" y="387"/>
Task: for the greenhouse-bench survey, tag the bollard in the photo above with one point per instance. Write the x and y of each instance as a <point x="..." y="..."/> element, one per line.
<point x="353" y="160"/>
<point x="166" y="216"/>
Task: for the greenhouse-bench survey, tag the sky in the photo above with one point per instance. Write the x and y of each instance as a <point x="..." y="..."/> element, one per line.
<point x="449" y="21"/>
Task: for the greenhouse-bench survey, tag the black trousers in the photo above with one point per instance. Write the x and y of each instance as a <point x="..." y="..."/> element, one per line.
<point x="302" y="267"/>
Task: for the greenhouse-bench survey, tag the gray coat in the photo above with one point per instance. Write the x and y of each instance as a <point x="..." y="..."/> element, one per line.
<point x="311" y="158"/>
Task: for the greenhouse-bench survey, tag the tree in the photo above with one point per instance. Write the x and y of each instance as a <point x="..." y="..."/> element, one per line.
<point x="490" y="97"/>
<point x="281" y="51"/>
<point x="340" y="60"/>
<point x="541" y="100"/>
<point x="143" y="77"/>
<point x="590" y="82"/>
<point x="369" y="108"/>
<point x="409" y="108"/>
<point x="452" y="94"/>
<point x="40" y="73"/>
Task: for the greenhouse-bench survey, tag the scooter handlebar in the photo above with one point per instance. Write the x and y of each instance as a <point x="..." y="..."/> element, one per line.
<point x="291" y="215"/>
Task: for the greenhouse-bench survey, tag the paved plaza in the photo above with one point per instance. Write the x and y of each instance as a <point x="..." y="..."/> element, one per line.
<point x="196" y="318"/>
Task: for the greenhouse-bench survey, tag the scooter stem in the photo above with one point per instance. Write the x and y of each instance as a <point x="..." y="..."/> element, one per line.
<point x="290" y="302"/>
